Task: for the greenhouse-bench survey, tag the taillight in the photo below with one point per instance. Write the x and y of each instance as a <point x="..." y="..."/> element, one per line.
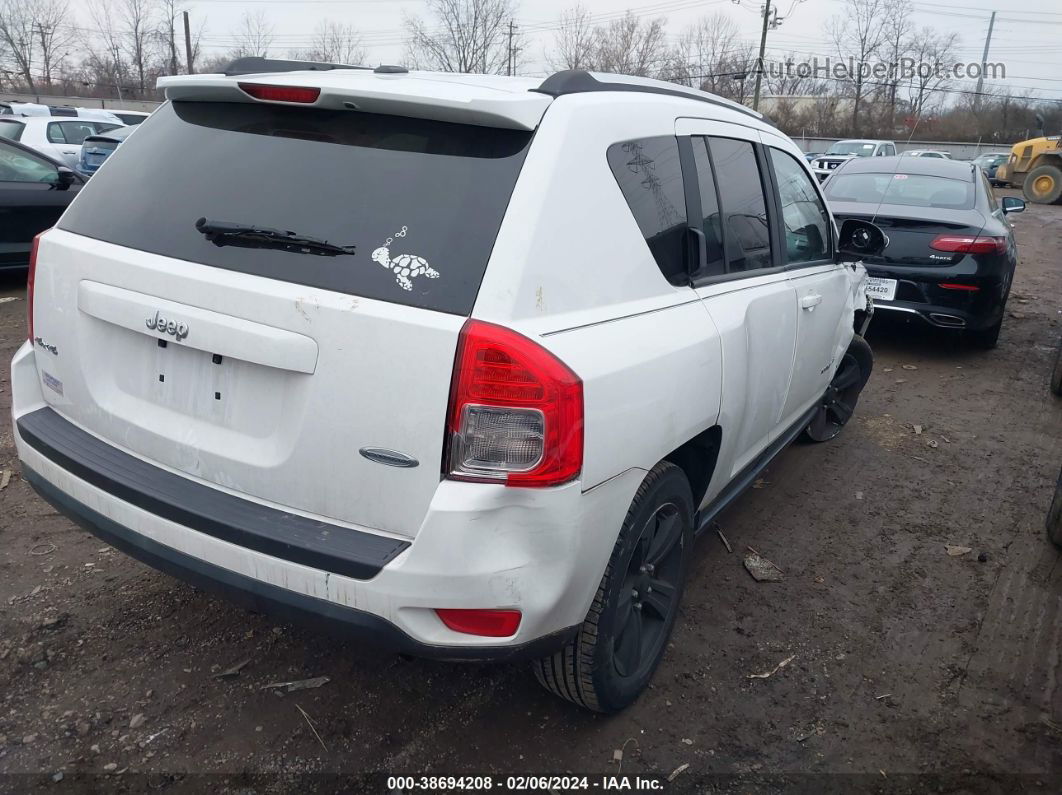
<point x="516" y="411"/>
<point x="968" y="244"/>
<point x="487" y="623"/>
<point x="30" y="277"/>
<point x="300" y="94"/>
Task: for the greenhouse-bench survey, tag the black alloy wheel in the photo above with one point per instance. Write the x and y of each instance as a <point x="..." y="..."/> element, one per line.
<point x="648" y="596"/>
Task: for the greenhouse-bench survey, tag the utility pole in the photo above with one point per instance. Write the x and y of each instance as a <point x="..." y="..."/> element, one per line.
<point x="984" y="60"/>
<point x="510" y="61"/>
<point x="188" y="44"/>
<point x="763" y="51"/>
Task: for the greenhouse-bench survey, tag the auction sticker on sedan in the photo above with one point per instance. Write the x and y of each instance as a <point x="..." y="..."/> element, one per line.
<point x="881" y="289"/>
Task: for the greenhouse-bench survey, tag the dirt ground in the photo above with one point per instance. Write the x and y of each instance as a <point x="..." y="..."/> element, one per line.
<point x="912" y="669"/>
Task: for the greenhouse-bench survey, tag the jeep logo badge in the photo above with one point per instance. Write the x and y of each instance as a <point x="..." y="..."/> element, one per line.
<point x="158" y="323"/>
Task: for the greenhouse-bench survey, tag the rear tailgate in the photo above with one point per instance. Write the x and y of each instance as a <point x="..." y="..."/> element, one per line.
<point x="910" y="232"/>
<point x="265" y="370"/>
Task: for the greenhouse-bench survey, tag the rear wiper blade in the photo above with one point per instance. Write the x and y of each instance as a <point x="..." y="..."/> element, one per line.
<point x="224" y="233"/>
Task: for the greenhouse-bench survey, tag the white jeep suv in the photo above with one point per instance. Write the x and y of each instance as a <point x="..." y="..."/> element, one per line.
<point x="462" y="363"/>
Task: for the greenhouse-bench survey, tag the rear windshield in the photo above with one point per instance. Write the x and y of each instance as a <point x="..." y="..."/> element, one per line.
<point x="911" y="190"/>
<point x="11" y="130"/>
<point x="418" y="202"/>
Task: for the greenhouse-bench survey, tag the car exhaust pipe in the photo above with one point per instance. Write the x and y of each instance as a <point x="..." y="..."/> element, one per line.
<point x="951" y="321"/>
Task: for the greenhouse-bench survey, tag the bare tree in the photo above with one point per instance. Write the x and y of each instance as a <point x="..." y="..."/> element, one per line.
<point x="136" y="27"/>
<point x="573" y="43"/>
<point x="858" y="35"/>
<point x="631" y="46"/>
<point x="701" y="55"/>
<point x="461" y="36"/>
<point x="255" y="35"/>
<point x="897" y="40"/>
<point x="17" y="31"/>
<point x="334" y="42"/>
<point x="926" y="49"/>
<point x="166" y="33"/>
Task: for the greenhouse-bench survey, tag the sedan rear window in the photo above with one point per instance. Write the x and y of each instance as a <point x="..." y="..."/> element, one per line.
<point x="387" y="207"/>
<point x="11" y="130"/>
<point x="911" y="190"/>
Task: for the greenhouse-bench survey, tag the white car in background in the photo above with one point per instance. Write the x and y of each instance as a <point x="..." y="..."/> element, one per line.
<point x="459" y="363"/>
<point x="841" y="152"/>
<point x="937" y="153"/>
<point x="58" y="137"/>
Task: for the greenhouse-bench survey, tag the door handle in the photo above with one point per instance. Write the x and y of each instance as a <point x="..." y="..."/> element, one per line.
<point x="69" y="151"/>
<point x="810" y="301"/>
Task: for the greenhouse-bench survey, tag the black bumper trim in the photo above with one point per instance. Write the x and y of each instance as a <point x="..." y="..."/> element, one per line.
<point x="310" y="542"/>
<point x="271" y="599"/>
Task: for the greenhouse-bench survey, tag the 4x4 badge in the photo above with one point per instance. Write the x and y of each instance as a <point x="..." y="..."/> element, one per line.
<point x="158" y="323"/>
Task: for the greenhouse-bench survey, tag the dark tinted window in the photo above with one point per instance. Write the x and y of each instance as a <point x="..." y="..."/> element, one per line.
<point x="407" y="193"/>
<point x="744" y="205"/>
<point x="712" y="222"/>
<point x="911" y="190"/>
<point x="12" y="130"/>
<point x="17" y="165"/>
<point x="649" y="174"/>
<point x="807" y="224"/>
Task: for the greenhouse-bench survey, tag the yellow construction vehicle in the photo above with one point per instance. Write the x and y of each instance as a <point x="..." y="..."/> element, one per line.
<point x="1036" y="167"/>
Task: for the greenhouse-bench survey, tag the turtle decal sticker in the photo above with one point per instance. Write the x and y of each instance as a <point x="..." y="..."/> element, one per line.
<point x="406" y="267"/>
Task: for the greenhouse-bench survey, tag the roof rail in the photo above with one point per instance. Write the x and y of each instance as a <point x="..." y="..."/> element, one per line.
<point x="253" y="65"/>
<point x="579" y="81"/>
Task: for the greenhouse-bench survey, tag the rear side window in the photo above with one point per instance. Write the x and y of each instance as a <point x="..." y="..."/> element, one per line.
<point x="55" y="133"/>
<point x="744" y="204"/>
<point x="11" y="130"/>
<point x="712" y="222"/>
<point x="650" y="176"/>
<point x="419" y="201"/>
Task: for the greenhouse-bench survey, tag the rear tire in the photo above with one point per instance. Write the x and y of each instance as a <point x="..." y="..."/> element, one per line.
<point x="839" y="402"/>
<point x="1054" y="515"/>
<point x="623" y="638"/>
<point x="1056" y="373"/>
<point x="985" y="338"/>
<point x="1043" y="185"/>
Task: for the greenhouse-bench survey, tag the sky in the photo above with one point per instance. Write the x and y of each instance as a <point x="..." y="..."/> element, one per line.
<point x="1028" y="41"/>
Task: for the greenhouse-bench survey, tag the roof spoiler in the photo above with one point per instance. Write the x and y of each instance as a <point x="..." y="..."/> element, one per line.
<point x="255" y="65"/>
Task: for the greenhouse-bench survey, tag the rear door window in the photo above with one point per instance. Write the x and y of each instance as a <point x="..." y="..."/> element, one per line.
<point x="75" y="132"/>
<point x="413" y="205"/>
<point x="650" y="176"/>
<point x="744" y="204"/>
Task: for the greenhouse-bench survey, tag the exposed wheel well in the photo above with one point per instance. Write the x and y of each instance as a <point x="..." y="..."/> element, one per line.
<point x="696" y="458"/>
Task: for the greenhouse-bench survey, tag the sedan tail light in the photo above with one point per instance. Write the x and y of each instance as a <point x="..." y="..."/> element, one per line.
<point x="516" y="411"/>
<point x="969" y="244"/>
<point x="30" y="278"/>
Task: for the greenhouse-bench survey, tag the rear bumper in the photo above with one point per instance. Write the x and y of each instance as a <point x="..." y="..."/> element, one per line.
<point x="280" y="602"/>
<point x="945" y="317"/>
<point x="481" y="546"/>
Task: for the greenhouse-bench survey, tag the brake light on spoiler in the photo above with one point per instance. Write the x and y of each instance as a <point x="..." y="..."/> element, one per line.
<point x="269" y="93"/>
<point x="968" y="244"/>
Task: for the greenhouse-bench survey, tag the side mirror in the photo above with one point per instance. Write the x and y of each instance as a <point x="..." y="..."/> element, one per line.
<point x="858" y="240"/>
<point x="64" y="178"/>
<point x="1012" y="204"/>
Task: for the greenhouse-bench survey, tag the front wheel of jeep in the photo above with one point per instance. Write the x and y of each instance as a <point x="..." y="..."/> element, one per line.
<point x="623" y="638"/>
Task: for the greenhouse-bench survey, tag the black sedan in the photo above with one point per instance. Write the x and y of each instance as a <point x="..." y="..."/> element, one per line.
<point x="950" y="256"/>
<point x="34" y="191"/>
